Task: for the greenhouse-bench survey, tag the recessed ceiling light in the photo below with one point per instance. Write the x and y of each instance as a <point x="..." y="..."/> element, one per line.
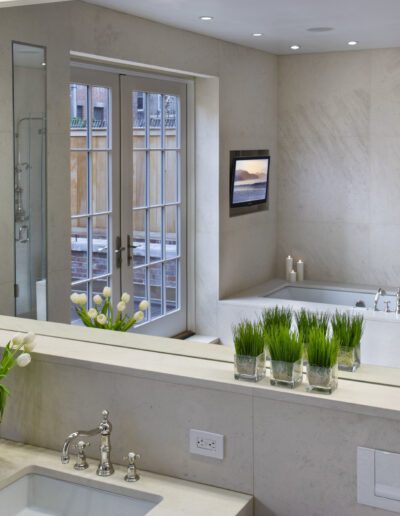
<point x="258" y="34"/>
<point x="320" y="29"/>
<point x="295" y="47"/>
<point x="352" y="43"/>
<point x="43" y="64"/>
<point x="206" y="18"/>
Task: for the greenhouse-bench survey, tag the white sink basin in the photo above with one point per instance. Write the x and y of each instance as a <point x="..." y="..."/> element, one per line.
<point x="37" y="495"/>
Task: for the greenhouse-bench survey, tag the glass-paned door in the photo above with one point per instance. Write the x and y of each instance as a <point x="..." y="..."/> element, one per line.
<point x="153" y="200"/>
<point x="94" y="167"/>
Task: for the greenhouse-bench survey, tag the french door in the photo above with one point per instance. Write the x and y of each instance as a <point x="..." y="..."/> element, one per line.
<point x="128" y="193"/>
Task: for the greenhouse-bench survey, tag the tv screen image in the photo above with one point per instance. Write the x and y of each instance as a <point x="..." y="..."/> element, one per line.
<point x="249" y="180"/>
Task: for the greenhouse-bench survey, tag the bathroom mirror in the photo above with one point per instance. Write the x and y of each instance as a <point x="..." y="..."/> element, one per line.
<point x="29" y="110"/>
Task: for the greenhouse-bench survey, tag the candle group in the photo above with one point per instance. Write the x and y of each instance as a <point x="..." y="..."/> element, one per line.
<point x="294" y="275"/>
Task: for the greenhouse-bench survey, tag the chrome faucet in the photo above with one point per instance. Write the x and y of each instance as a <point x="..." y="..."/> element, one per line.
<point x="380" y="292"/>
<point x="398" y="301"/>
<point x="105" y="468"/>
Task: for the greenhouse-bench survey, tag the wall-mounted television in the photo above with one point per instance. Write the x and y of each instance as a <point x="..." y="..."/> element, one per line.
<point x="249" y="180"/>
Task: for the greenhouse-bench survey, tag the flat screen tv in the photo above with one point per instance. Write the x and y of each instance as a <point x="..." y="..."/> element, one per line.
<point x="249" y="180"/>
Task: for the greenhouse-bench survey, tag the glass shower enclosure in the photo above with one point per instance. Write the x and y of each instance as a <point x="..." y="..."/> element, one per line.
<point x="30" y="224"/>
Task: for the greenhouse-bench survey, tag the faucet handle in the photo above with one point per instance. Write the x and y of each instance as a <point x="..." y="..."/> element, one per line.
<point x="81" y="462"/>
<point x="132" y="474"/>
<point x="387" y="306"/>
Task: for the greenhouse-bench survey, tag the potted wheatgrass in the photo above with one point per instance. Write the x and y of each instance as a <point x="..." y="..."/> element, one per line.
<point x="348" y="330"/>
<point x="273" y="318"/>
<point x="322" y="368"/>
<point x="248" y="338"/>
<point x="286" y="352"/>
<point x="306" y="321"/>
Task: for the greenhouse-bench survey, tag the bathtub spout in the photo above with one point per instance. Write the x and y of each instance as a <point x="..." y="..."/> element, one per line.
<point x="380" y="292"/>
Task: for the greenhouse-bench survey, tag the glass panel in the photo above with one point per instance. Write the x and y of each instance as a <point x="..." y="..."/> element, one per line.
<point x="79" y="194"/>
<point x="139" y="179"/>
<point x="98" y="286"/>
<point x="139" y="237"/>
<point x="171" y="285"/>
<point x="140" y="289"/>
<point x="79" y="249"/>
<point x="100" y="251"/>
<point x="78" y="126"/>
<point x="155" y="284"/>
<point x="171" y="242"/>
<point x="155" y="108"/>
<point x="170" y="121"/>
<point x="99" y="181"/>
<point x="155" y="216"/>
<point x="139" y="119"/>
<point x="155" y="177"/>
<point x="100" y="117"/>
<point x="171" y="176"/>
<point x="79" y="289"/>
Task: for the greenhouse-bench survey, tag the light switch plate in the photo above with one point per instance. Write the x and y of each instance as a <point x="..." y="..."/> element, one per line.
<point x="207" y="444"/>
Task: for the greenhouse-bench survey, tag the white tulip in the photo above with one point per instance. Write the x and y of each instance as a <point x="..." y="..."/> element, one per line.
<point x="23" y="360"/>
<point x="82" y="299"/>
<point x="92" y="313"/>
<point x="17" y="340"/>
<point x="125" y="297"/>
<point x="121" y="306"/>
<point x="75" y="298"/>
<point x="144" y="305"/>
<point x="138" y="316"/>
<point x="101" y="319"/>
<point x="97" y="300"/>
<point x="29" y="342"/>
<point x="107" y="291"/>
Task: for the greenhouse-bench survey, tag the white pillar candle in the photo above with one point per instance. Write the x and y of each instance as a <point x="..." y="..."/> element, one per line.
<point x="289" y="267"/>
<point x="292" y="276"/>
<point x="300" y="270"/>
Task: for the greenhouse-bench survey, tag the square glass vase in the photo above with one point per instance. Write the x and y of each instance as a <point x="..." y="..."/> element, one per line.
<point x="289" y="374"/>
<point x="250" y="368"/>
<point x="322" y="379"/>
<point x="349" y="358"/>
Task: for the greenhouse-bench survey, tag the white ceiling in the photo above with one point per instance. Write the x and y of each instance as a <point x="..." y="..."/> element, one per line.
<point x="374" y="23"/>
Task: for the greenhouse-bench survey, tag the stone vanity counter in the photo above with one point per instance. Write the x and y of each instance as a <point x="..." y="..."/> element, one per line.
<point x="178" y="496"/>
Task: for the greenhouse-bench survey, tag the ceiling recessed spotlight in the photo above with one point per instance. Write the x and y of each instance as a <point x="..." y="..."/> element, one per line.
<point x="206" y="18"/>
<point x="43" y="64"/>
<point x="258" y="34"/>
<point x="295" y="47"/>
<point x="352" y="43"/>
<point x="320" y="29"/>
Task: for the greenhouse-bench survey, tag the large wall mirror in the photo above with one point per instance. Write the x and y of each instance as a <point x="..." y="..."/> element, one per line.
<point x="29" y="93"/>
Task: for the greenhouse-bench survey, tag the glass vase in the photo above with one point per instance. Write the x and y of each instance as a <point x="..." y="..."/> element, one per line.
<point x="249" y="367"/>
<point x="289" y="374"/>
<point x="349" y="358"/>
<point x="322" y="379"/>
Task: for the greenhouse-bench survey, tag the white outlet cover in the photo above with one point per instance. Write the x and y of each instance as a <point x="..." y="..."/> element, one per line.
<point x="206" y="444"/>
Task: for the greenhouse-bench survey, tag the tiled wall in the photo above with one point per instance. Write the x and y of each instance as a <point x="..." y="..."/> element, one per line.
<point x="339" y="165"/>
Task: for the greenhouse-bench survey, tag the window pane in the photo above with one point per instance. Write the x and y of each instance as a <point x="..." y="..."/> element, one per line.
<point x="155" y="108"/>
<point x="171" y="285"/>
<point x="139" y="119"/>
<point x="155" y="284"/>
<point x="98" y="286"/>
<point x="78" y="164"/>
<point x="79" y="249"/>
<point x="139" y="237"/>
<point x="99" y="182"/>
<point x="155" y="177"/>
<point x="139" y="179"/>
<point x="100" y="251"/>
<point x="78" y="125"/>
<point x="170" y="121"/>
<point x="171" y="242"/>
<point x="140" y="289"/>
<point x="171" y="176"/>
<point x="155" y="215"/>
<point x="100" y="117"/>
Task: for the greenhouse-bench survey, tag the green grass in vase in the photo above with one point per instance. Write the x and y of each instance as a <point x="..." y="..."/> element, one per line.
<point x="284" y="346"/>
<point x="347" y="329"/>
<point x="248" y="338"/>
<point x="322" y="351"/>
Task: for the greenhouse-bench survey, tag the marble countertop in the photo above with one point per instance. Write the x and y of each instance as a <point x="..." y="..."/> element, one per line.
<point x="179" y="497"/>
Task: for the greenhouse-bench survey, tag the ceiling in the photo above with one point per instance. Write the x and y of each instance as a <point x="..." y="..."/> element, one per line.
<point x="373" y="23"/>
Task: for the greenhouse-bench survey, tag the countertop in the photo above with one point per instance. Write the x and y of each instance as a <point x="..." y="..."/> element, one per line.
<point x="179" y="497"/>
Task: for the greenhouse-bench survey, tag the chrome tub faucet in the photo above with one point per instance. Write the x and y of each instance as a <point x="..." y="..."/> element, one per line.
<point x="380" y="292"/>
<point x="398" y="301"/>
<point x="105" y="468"/>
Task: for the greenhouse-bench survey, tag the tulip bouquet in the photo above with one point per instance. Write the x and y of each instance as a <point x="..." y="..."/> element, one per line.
<point x="101" y="315"/>
<point x="16" y="353"/>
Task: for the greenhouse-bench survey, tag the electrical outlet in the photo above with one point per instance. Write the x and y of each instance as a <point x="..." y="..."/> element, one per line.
<point x="207" y="444"/>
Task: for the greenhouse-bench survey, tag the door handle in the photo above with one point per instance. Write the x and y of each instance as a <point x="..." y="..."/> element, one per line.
<point x="118" y="252"/>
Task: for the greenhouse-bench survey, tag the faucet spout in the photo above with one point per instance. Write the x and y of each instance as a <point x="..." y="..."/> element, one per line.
<point x="72" y="437"/>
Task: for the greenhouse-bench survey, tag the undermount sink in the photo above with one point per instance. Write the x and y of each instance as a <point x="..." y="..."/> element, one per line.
<point x="37" y="495"/>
